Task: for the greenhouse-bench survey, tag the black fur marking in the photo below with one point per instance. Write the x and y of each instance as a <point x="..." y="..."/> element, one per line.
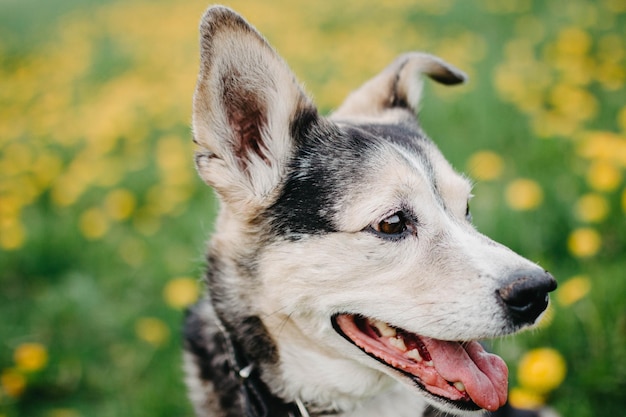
<point x="209" y="352"/>
<point x="326" y="158"/>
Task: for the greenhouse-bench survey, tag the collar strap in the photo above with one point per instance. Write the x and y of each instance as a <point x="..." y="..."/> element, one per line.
<point x="257" y="398"/>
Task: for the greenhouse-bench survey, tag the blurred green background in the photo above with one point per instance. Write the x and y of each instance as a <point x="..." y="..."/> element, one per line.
<point x="103" y="221"/>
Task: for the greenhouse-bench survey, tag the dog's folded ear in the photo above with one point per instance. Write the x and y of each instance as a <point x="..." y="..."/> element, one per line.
<point x="245" y="108"/>
<point x="396" y="91"/>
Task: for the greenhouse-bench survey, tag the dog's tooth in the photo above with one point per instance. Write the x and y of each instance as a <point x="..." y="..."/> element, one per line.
<point x="429" y="363"/>
<point x="460" y="386"/>
<point x="384" y="329"/>
<point x="415" y="355"/>
<point x="398" y="343"/>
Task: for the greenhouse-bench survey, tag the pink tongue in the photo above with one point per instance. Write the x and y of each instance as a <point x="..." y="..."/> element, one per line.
<point x="484" y="375"/>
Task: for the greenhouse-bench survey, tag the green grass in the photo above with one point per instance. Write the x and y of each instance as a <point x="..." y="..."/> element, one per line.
<point x="101" y="210"/>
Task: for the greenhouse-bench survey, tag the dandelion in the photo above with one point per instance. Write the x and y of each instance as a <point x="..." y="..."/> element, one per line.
<point x="603" y="146"/>
<point x="485" y="165"/>
<point x="13" y="382"/>
<point x="541" y="370"/>
<point x="526" y="399"/>
<point x="30" y="357"/>
<point x="573" y="290"/>
<point x="524" y="194"/>
<point x="93" y="224"/>
<point x="119" y="204"/>
<point x="591" y="208"/>
<point x="12" y="233"/>
<point x="181" y="292"/>
<point x="152" y="330"/>
<point x="584" y="242"/>
<point x="603" y="176"/>
<point x="573" y="41"/>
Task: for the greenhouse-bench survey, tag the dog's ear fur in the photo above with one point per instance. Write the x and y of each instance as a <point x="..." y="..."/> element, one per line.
<point x="245" y="106"/>
<point x="397" y="90"/>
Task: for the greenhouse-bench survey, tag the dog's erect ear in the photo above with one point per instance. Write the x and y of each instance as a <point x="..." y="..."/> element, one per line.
<point x="246" y="106"/>
<point x="398" y="87"/>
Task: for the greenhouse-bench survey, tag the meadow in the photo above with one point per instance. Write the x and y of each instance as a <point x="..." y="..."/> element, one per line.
<point x="103" y="220"/>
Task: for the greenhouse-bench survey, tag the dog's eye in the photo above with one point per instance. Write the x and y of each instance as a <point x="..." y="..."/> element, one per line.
<point x="392" y="226"/>
<point x="468" y="213"/>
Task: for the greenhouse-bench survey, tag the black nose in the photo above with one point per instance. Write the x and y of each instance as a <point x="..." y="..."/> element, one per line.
<point x="526" y="295"/>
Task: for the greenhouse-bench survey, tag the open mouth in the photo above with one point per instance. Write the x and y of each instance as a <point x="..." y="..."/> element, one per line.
<point x="461" y="374"/>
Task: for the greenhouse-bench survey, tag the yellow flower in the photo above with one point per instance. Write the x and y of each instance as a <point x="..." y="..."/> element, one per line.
<point x="573" y="41"/>
<point x="485" y="165"/>
<point x="31" y="357"/>
<point x="603" y="146"/>
<point x="541" y="370"/>
<point x="603" y="176"/>
<point x="573" y="290"/>
<point x="584" y="242"/>
<point x="13" y="382"/>
<point x="181" y="292"/>
<point x="573" y="102"/>
<point x="119" y="204"/>
<point x="525" y="399"/>
<point x="524" y="194"/>
<point x="93" y="223"/>
<point x="591" y="208"/>
<point x="152" y="330"/>
<point x="12" y="234"/>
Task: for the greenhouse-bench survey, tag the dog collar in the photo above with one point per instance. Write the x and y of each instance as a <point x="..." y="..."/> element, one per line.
<point x="258" y="400"/>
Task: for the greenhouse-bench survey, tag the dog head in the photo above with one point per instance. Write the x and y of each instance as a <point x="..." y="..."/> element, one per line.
<point x="350" y="236"/>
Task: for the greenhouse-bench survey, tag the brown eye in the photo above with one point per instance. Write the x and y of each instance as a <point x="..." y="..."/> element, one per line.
<point x="395" y="224"/>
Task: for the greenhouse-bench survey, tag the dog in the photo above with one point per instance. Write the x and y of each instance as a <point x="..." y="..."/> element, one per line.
<point x="345" y="277"/>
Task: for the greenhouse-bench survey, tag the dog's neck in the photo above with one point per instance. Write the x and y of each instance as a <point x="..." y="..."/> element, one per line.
<point x="257" y="398"/>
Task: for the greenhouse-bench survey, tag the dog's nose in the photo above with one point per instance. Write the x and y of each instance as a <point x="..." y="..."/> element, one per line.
<point x="526" y="295"/>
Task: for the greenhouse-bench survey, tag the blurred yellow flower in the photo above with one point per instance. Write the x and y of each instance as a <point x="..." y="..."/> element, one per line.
<point x="603" y="176"/>
<point x="12" y="233"/>
<point x="30" y="357"/>
<point x="573" y="290"/>
<point x="13" y="382"/>
<point x="573" y="41"/>
<point x="591" y="208"/>
<point x="181" y="292"/>
<point x="485" y="165"/>
<point x="584" y="242"/>
<point x="119" y="204"/>
<point x="603" y="146"/>
<point x="541" y="370"/>
<point x="524" y="194"/>
<point x="573" y="102"/>
<point x="152" y="330"/>
<point x="525" y="399"/>
<point x="93" y="223"/>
